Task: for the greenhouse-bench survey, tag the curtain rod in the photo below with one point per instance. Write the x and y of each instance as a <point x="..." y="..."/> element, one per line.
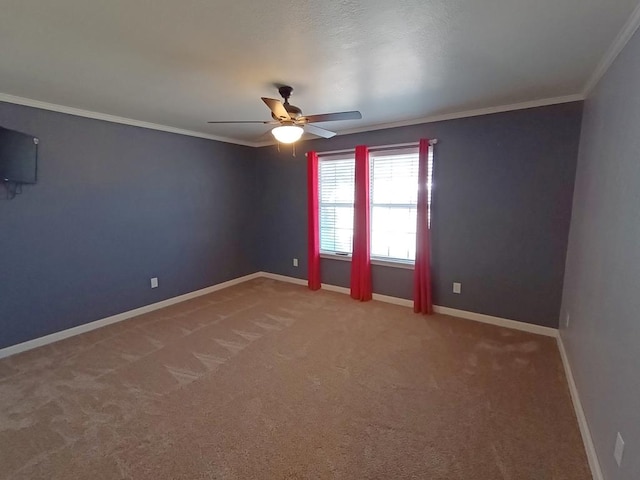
<point x="432" y="141"/>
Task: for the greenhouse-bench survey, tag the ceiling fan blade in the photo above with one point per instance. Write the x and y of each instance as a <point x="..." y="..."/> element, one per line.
<point x="265" y="137"/>
<point x="277" y="108"/>
<point x="320" y="132"/>
<point x="331" y="117"/>
<point x="247" y="121"/>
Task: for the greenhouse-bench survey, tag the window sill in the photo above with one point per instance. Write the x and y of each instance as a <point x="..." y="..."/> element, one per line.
<point x="374" y="261"/>
<point x="392" y="263"/>
<point x="336" y="256"/>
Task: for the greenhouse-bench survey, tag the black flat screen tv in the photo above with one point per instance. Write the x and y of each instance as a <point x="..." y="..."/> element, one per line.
<point x="18" y="157"/>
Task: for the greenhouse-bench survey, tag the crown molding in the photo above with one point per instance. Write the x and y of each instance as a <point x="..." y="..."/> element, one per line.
<point x="628" y="29"/>
<point x="463" y="114"/>
<point x="470" y="113"/>
<point x="28" y="102"/>
<point x="154" y="126"/>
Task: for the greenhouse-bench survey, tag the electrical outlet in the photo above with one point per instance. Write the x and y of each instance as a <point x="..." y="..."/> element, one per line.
<point x="295" y="262"/>
<point x="457" y="287"/>
<point x="154" y="282"/>
<point x="619" y="449"/>
<point x="567" y="319"/>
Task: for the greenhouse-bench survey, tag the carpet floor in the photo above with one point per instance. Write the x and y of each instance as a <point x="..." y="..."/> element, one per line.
<point x="267" y="380"/>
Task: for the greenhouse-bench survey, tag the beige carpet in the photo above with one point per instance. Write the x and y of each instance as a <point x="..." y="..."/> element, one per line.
<point x="268" y="380"/>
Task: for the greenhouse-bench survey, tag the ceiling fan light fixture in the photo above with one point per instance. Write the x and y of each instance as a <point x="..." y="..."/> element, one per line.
<point x="287" y="133"/>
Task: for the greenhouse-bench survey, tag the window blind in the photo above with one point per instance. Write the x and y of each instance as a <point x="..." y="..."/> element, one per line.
<point x="336" y="190"/>
<point x="394" y="198"/>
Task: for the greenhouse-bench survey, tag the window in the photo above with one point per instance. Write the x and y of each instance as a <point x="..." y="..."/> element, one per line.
<point x="394" y="198"/>
<point x="336" y="191"/>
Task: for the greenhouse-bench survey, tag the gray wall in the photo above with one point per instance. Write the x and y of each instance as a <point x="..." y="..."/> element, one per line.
<point x="116" y="205"/>
<point x="502" y="207"/>
<point x="603" y="266"/>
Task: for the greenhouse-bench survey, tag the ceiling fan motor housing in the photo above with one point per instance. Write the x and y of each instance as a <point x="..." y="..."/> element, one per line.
<point x="293" y="111"/>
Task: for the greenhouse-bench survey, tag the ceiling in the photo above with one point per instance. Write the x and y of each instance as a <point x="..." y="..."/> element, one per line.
<point x="180" y="63"/>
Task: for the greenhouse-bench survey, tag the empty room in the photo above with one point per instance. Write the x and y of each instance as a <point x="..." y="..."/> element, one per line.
<point x="319" y="240"/>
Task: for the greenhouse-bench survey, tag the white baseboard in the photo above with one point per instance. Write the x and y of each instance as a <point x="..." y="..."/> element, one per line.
<point x="336" y="288"/>
<point x="376" y="296"/>
<point x="87" y="327"/>
<point x="403" y="302"/>
<point x="283" y="278"/>
<point x="477" y="317"/>
<point x="500" y="322"/>
<point x="589" y="447"/>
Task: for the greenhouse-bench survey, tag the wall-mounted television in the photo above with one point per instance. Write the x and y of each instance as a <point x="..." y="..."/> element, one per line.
<point x="18" y="157"/>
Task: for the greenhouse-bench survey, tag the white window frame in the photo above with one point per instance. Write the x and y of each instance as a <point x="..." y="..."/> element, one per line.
<point x="380" y="260"/>
<point x="331" y="158"/>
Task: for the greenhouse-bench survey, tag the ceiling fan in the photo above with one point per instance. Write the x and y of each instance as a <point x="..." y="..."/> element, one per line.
<point x="291" y="123"/>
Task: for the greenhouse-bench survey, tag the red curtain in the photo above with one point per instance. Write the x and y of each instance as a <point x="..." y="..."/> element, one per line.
<point x="422" y="273"/>
<point x="314" y="223"/>
<point x="361" y="258"/>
